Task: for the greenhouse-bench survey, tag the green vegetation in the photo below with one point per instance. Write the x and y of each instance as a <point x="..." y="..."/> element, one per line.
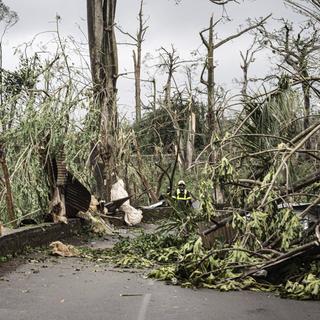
<point x="186" y="262"/>
<point x="245" y="157"/>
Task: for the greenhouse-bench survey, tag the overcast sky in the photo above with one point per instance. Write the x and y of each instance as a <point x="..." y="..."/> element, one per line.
<point x="168" y="24"/>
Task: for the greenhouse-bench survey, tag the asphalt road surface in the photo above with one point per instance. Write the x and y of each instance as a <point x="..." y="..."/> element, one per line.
<point x="70" y="288"/>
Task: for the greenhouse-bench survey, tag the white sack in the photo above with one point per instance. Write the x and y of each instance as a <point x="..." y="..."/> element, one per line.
<point x="132" y="215"/>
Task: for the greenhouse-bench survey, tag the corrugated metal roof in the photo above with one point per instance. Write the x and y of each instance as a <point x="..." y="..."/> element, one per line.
<point x="76" y="195"/>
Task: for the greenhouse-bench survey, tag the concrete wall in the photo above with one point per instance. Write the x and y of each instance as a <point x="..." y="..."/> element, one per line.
<point x="33" y="236"/>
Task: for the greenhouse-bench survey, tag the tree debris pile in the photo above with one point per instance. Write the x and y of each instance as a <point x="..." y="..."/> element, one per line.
<point x="247" y="156"/>
<point x="292" y="270"/>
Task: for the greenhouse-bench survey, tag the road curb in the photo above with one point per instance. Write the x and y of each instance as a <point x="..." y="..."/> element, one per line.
<point x="39" y="235"/>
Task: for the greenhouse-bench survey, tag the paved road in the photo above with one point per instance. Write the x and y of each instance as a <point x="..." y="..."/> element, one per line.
<point x="69" y="288"/>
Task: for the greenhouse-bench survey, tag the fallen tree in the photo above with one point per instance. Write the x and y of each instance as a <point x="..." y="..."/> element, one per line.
<point x="269" y="211"/>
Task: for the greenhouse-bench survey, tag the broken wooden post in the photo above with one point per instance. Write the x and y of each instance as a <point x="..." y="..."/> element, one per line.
<point x="57" y="206"/>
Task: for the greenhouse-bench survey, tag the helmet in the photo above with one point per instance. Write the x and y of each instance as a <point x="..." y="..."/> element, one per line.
<point x="181" y="182"/>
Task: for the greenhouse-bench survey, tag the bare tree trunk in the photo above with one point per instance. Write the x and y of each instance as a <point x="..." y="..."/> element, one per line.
<point x="167" y="90"/>
<point x="137" y="76"/>
<point x="154" y="96"/>
<point x="137" y="55"/>
<point x="190" y="137"/>
<point x="104" y="69"/>
<point x="191" y="124"/>
<point x="209" y="66"/>
<point x="247" y="60"/>
<point x="9" y="200"/>
<point x="170" y="61"/>
<point x="209" y="83"/>
<point x="306" y="99"/>
<point x="244" y="68"/>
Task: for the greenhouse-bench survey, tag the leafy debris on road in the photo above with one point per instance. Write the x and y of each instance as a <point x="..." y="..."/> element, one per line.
<point x="185" y="261"/>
